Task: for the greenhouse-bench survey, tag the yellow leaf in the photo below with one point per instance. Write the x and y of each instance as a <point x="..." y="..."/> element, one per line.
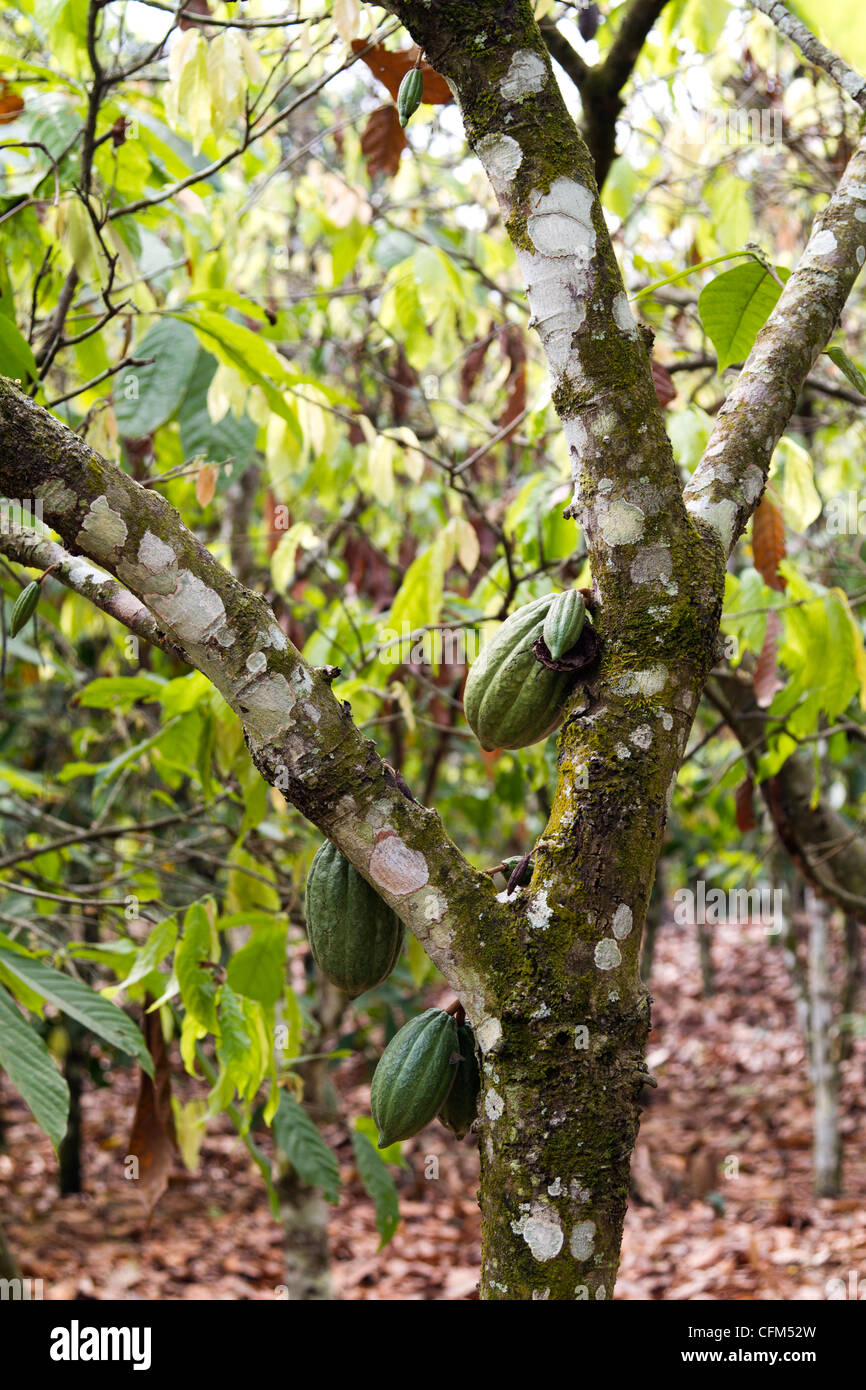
<point x="347" y="19"/>
<point x="468" y="548"/>
<point x="857" y="644"/>
<point x="398" y="692"/>
<point x="380" y="468"/>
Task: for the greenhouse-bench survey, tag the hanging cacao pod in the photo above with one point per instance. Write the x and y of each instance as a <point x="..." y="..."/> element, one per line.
<point x="461" y="1104"/>
<point x="409" y="95"/>
<point x="25" y="607"/>
<point x="414" y="1076"/>
<point x="355" y="937"/>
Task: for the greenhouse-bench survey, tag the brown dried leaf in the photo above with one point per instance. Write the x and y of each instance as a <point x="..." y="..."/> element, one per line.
<point x="152" y="1139"/>
<point x="10" y="106"/>
<point x="383" y="142"/>
<point x="514" y="349"/>
<point x="768" y="542"/>
<point x="193" y="7"/>
<point x="472" y="364"/>
<point x="582" y="654"/>
<point x="766" y="679"/>
<point x="664" y="383"/>
<point x="390" y="67"/>
<point x="744" y="800"/>
<point x="205" y="484"/>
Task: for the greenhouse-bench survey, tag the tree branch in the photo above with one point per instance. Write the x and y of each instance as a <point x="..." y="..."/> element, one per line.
<point x="301" y="739"/>
<point x="600" y="87"/>
<point x="835" y="67"/>
<point x="39" y="552"/>
<point x="730" y="478"/>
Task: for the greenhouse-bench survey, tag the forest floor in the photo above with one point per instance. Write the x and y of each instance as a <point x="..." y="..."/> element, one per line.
<point x="731" y="1116"/>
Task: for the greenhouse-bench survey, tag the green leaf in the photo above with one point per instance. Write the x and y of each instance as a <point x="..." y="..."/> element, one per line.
<point x="27" y="1062"/>
<point x="235" y="1044"/>
<point x="119" y="692"/>
<point x="197" y="988"/>
<point x="420" y="965"/>
<point x="365" y="1124"/>
<point x="418" y="601"/>
<point x="850" y="369"/>
<point x="800" y="501"/>
<point x="97" y="1014"/>
<point x="296" y="1135"/>
<point x="201" y="437"/>
<point x="145" y="397"/>
<point x="153" y="952"/>
<point x="258" y="969"/>
<point x="379" y="1186"/>
<point x="16" y="355"/>
<point x="251" y="355"/>
<point x="734" y="307"/>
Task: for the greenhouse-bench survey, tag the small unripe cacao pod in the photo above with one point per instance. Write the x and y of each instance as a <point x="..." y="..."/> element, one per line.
<point x="409" y="95"/>
<point x="25" y="607"/>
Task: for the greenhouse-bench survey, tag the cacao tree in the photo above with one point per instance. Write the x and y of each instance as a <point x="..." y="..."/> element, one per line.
<point x="548" y="971"/>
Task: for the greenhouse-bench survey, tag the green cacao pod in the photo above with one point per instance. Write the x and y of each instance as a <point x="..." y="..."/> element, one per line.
<point x="25" y="607"/>
<point x="355" y="937"/>
<point x="409" y="95"/>
<point x="415" y="1073"/>
<point x="461" y="1103"/>
<point x="564" y="622"/>
<point x="511" y="699"/>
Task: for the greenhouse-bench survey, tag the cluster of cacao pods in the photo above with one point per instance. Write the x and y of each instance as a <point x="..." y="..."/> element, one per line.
<point x="429" y="1068"/>
<point x="516" y="689"/>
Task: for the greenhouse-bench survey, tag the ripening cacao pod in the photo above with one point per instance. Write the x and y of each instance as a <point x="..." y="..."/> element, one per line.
<point x="355" y="937"/>
<point x="409" y="95"/>
<point x="25" y="607"/>
<point x="511" y="699"/>
<point x="415" y="1073"/>
<point x="461" y="1104"/>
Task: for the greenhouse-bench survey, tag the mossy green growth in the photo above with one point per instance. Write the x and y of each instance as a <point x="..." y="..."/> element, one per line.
<point x="414" y="1076"/>
<point x="355" y="937"/>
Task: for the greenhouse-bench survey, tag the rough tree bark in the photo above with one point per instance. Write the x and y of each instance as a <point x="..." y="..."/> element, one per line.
<point x="549" y="977"/>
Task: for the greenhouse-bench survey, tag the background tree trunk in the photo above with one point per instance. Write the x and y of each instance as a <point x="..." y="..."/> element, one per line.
<point x="824" y="1065"/>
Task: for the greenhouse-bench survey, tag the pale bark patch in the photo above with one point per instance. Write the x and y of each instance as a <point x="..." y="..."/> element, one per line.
<point x="542" y="1231"/>
<point x="607" y="954"/>
<point x="103" y="530"/>
<point x="395" y="867"/>
<point x="526" y="75"/>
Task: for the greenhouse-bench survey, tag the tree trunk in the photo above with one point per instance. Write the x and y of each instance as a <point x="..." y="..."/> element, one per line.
<point x="304" y="1218"/>
<point x="852" y="985"/>
<point x="8" y="1266"/>
<point x="304" y="1213"/>
<point x="705" y="954"/>
<point x="69" y="1152"/>
<point x="824" y="1066"/>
